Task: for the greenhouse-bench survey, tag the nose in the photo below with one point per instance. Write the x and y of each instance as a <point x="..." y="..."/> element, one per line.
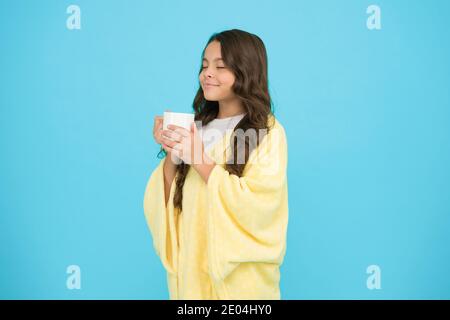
<point x="208" y="73"/>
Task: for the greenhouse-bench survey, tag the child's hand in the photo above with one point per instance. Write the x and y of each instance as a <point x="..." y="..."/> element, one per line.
<point x="157" y="129"/>
<point x="185" y="144"/>
<point x="157" y="136"/>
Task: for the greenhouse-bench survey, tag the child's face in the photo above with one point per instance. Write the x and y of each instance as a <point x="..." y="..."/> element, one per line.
<point x="216" y="73"/>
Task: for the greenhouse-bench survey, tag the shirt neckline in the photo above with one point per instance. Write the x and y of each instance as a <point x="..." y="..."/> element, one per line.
<point x="229" y="118"/>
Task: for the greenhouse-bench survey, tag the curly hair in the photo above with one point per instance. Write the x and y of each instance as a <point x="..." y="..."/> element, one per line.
<point x="245" y="55"/>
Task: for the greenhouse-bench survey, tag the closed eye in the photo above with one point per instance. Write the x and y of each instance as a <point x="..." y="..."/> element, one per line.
<point x="217" y="67"/>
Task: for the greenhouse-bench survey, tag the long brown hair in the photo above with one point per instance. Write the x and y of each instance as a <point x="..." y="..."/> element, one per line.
<point x="245" y="55"/>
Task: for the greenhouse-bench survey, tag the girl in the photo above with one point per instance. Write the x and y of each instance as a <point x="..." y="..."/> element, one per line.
<point x="219" y="224"/>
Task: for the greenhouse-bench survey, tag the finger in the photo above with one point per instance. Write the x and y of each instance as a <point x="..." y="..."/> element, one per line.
<point x="168" y="142"/>
<point x="158" y="119"/>
<point x="157" y="131"/>
<point x="182" y="131"/>
<point x="167" y="148"/>
<point x="159" y="127"/>
<point x="157" y="123"/>
<point x="173" y="135"/>
<point x="173" y="151"/>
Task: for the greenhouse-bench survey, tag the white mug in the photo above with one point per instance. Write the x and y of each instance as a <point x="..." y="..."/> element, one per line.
<point x="179" y="119"/>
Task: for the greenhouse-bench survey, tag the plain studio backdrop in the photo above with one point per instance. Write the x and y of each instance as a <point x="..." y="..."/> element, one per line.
<point x="366" y="113"/>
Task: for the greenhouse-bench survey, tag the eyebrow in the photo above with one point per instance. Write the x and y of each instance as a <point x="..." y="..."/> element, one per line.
<point x="204" y="59"/>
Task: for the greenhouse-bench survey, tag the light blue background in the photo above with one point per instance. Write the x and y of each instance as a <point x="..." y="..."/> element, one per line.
<point x="366" y="114"/>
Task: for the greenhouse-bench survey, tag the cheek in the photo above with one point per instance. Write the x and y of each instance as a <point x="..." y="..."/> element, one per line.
<point x="227" y="80"/>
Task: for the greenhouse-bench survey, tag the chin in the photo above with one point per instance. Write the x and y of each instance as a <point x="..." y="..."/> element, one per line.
<point x="210" y="97"/>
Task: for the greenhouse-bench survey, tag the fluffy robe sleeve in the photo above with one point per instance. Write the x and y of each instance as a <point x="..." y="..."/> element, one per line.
<point x="247" y="216"/>
<point x="161" y="219"/>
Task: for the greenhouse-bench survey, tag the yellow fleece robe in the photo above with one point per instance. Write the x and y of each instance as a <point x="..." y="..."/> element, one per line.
<point x="230" y="239"/>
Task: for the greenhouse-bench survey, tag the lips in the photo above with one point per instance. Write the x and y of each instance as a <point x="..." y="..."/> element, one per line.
<point x="208" y="87"/>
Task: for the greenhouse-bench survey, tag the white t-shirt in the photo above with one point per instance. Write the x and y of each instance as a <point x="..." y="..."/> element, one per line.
<point x="216" y="129"/>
